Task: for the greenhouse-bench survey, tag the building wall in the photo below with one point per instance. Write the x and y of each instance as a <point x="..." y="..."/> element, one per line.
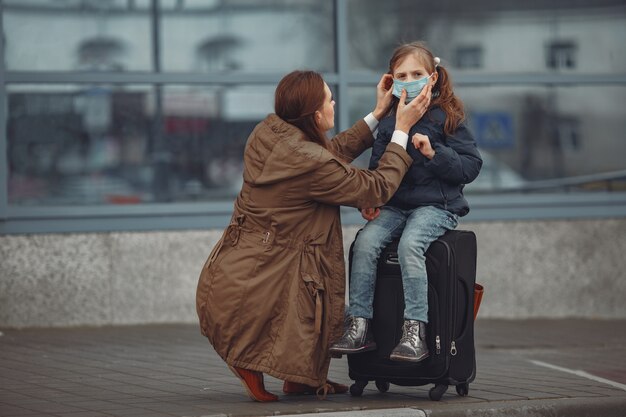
<point x="530" y="269"/>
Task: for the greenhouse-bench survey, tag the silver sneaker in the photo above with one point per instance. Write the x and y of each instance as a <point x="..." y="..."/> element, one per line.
<point x="412" y="346"/>
<point x="357" y="338"/>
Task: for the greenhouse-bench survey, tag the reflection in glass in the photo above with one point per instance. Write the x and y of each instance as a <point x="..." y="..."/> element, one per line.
<point x="536" y="133"/>
<point x="77" y="145"/>
<point x="73" y="145"/>
<point x="269" y="36"/>
<point x="549" y="132"/>
<point x="77" y="35"/>
<point x="205" y="132"/>
<point x="531" y="36"/>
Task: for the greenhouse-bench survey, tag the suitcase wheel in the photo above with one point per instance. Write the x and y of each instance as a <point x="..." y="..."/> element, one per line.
<point x="462" y="390"/>
<point x="383" y="386"/>
<point x="437" y="392"/>
<point x="357" y="388"/>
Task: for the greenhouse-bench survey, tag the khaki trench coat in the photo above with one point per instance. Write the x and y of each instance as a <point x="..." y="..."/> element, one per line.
<point x="271" y="294"/>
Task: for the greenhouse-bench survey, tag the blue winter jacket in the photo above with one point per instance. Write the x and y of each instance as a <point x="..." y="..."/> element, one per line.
<point x="438" y="182"/>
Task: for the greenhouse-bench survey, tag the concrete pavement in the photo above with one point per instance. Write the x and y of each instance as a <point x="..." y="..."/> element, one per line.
<point x="524" y="368"/>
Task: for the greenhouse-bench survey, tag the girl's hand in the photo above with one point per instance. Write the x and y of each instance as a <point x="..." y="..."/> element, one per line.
<point x="370" y="213"/>
<point x="383" y="96"/>
<point x="422" y="143"/>
<point x="408" y="114"/>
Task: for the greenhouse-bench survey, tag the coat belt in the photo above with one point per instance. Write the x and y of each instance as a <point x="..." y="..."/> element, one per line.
<point x="233" y="231"/>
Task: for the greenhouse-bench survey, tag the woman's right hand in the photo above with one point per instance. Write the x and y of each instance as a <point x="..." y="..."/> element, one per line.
<point x="408" y="114"/>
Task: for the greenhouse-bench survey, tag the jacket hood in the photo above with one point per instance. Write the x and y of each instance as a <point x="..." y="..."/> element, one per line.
<point x="277" y="150"/>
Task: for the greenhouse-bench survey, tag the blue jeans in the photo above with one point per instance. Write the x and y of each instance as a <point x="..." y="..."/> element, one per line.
<point x="418" y="228"/>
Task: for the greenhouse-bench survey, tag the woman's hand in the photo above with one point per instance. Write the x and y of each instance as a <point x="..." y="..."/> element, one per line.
<point x="422" y="143"/>
<point x="383" y="96"/>
<point x="408" y="114"/>
<point x="370" y="213"/>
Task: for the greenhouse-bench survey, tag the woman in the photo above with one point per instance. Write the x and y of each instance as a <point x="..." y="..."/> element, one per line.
<point x="270" y="297"/>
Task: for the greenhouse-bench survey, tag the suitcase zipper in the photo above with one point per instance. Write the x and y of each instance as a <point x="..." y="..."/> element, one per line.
<point x="435" y="322"/>
<point x="453" y="297"/>
<point x="453" y="349"/>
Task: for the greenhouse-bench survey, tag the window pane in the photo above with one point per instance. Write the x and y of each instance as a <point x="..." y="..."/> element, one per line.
<point x="73" y="145"/>
<point x="536" y="133"/>
<point x="252" y="36"/>
<point x="76" y="35"/>
<point x="531" y="36"/>
<point x="78" y="144"/>
<point x="205" y="132"/>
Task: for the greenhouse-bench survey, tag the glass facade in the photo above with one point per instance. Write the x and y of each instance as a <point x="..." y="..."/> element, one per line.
<point x="78" y="144"/>
<point x="491" y="37"/>
<point x="541" y="129"/>
<point x="261" y="37"/>
<point x="149" y="102"/>
<point x="122" y="144"/>
<point x="49" y="35"/>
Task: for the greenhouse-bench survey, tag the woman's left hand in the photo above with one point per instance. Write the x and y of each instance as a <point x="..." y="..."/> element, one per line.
<point x="383" y="96"/>
<point x="370" y="213"/>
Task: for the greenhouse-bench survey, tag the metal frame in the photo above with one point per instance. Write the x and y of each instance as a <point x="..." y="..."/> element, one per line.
<point x="208" y="215"/>
<point x="4" y="157"/>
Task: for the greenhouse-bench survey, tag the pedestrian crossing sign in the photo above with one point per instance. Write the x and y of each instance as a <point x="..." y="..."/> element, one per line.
<point x="493" y="130"/>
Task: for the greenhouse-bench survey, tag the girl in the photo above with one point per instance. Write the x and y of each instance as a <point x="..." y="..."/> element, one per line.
<point x="428" y="202"/>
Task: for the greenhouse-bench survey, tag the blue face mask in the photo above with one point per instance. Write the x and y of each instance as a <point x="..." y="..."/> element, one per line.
<point x="413" y="88"/>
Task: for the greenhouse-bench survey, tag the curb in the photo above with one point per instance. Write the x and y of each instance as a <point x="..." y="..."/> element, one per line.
<point x="569" y="407"/>
<point x="385" y="412"/>
<point x="565" y="407"/>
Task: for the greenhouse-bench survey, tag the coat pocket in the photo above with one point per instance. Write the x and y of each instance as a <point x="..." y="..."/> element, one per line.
<point x="311" y="300"/>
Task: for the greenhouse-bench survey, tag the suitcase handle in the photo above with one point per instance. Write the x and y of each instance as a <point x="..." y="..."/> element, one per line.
<point x="392" y="259"/>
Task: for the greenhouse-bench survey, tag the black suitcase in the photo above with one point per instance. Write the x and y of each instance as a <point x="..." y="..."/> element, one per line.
<point x="451" y="267"/>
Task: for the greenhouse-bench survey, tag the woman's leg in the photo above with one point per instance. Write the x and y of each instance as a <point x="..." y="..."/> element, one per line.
<point x="253" y="382"/>
<point x="295" y="388"/>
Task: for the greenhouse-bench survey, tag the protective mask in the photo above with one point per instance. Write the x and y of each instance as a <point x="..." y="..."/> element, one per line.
<point x="413" y="88"/>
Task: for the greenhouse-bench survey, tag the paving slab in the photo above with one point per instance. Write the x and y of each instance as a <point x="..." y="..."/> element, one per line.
<point x="524" y="368"/>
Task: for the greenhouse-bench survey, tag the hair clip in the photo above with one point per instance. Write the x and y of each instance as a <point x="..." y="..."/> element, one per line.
<point x="437" y="61"/>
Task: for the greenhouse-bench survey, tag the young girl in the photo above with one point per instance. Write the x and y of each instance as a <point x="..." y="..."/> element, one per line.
<point x="428" y="202"/>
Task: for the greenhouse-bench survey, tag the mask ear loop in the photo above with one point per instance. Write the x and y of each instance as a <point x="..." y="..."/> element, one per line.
<point x="436" y="92"/>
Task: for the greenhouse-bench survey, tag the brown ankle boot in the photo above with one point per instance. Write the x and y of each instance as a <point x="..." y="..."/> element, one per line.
<point x="252" y="381"/>
<point x="295" y="388"/>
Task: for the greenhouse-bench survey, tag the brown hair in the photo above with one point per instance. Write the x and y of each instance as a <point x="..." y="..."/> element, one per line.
<point x="443" y="95"/>
<point x="298" y="96"/>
